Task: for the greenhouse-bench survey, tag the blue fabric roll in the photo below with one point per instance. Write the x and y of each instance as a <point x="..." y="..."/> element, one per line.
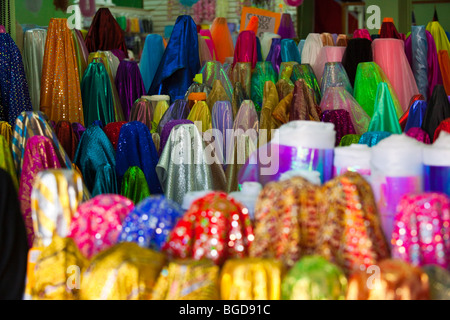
<point x="289" y="51"/>
<point x="416" y="115"/>
<point x="373" y="137"/>
<point x="150" y="59"/>
<point x="419" y="60"/>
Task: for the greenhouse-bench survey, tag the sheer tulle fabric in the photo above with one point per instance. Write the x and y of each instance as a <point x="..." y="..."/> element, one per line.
<point x="289" y="51"/>
<point x="204" y="52"/>
<point x="334" y="75"/>
<point x="213" y="71"/>
<point x="222" y="39"/>
<point x="390" y="55"/>
<point x="222" y="121"/>
<point x="311" y="49"/>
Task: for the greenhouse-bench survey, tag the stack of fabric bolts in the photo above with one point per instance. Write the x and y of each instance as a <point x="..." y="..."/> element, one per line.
<point x="270" y="170"/>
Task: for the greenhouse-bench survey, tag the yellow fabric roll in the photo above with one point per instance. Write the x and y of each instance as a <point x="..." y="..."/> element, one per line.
<point x="217" y="93"/>
<point x="270" y="101"/>
<point x="6" y="131"/>
<point x="200" y="112"/>
<point x="160" y="109"/>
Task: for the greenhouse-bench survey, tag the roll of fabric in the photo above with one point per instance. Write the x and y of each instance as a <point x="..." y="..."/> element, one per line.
<point x="439" y="35"/>
<point x="158" y="113"/>
<point x="242" y="73"/>
<point x="221" y="37"/>
<point x="349" y="139"/>
<point x="286" y="29"/>
<point x="357" y="51"/>
<point x="371" y="138"/>
<point x="142" y="111"/>
<point x="419" y="47"/>
<point x="342" y="122"/>
<point x="7" y="162"/>
<point x="384" y="117"/>
<point x="150" y="222"/>
<point x="245" y="49"/>
<point x="201" y="116"/>
<point x="435" y="160"/>
<point x="444" y="63"/>
<point x="353" y="158"/>
<point x="334" y="75"/>
<point x="263" y="72"/>
<point x="165" y="133"/>
<point x="314" y="278"/>
<point x="416" y="115"/>
<point x="239" y="96"/>
<point x="311" y="49"/>
<point x="151" y="57"/>
<point x="179" y="110"/>
<point x="97" y="223"/>
<point x="404" y="118"/>
<point x="78" y="129"/>
<point x="267" y="123"/>
<point x="388" y="30"/>
<point x="6" y="131"/>
<point x="213" y="71"/>
<point x="303" y="106"/>
<point x="438" y="109"/>
<point x="112" y="131"/>
<point x="33" y="59"/>
<point x="248" y="196"/>
<point x="397" y="169"/>
<point x="60" y="84"/>
<point x="327" y="54"/>
<point x="274" y="55"/>
<point x="222" y="124"/>
<point x="122" y="272"/>
<point x="217" y="94"/>
<point x="81" y="52"/>
<point x="419" y="134"/>
<point x="266" y="43"/>
<point x="67" y="137"/>
<point x="306" y="72"/>
<point x="134" y="185"/>
<point x="443" y="126"/>
<point x="289" y="51"/>
<point x="362" y="34"/>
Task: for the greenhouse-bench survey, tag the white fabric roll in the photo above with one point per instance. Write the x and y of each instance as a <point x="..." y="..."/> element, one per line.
<point x="306" y="134"/>
<point x="355" y="155"/>
<point x="266" y="43"/>
<point x="311" y="49"/>
<point x="438" y="154"/>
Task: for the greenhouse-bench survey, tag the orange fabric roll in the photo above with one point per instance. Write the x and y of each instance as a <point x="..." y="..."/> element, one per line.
<point x="221" y="37"/>
<point x="253" y="24"/>
<point x="444" y="65"/>
<point x="60" y="85"/>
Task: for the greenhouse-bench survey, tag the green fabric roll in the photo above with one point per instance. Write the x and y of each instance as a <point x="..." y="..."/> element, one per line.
<point x="384" y="117"/>
<point x="134" y="185"/>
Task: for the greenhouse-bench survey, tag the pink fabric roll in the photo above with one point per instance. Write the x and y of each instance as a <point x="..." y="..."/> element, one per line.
<point x="390" y="55"/>
<point x="206" y="34"/>
<point x="419" y="134"/>
<point x="246" y="50"/>
<point x="327" y="54"/>
<point x="362" y="33"/>
<point x="421" y="230"/>
<point x="97" y="223"/>
<point x="39" y="155"/>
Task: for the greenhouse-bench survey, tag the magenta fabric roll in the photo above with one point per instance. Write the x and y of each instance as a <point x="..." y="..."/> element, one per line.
<point x="97" y="223"/>
<point x="362" y="33"/>
<point x="39" y="155"/>
<point x="342" y="123"/>
<point x="2" y="29"/>
<point x="206" y="34"/>
<point x="419" y="134"/>
<point x="421" y="230"/>
<point x="246" y="49"/>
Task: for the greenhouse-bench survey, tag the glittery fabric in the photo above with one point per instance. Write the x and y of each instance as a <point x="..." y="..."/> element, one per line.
<point x="97" y="223"/>
<point x="134" y="185"/>
<point x="349" y="139"/>
<point x="201" y="116"/>
<point x="384" y="117"/>
<point x="60" y="84"/>
<point x="129" y="84"/>
<point x="305" y="72"/>
<point x="204" y="53"/>
<point x="215" y="227"/>
<point x="439" y="281"/>
<point x="150" y="222"/>
<point x="67" y="138"/>
<point x="251" y="279"/>
<point x="179" y="110"/>
<point x="270" y="101"/>
<point x="55" y="197"/>
<point x="212" y="71"/>
<point x="327" y="54"/>
<point x="342" y="123"/>
<point x="95" y="157"/>
<point x="239" y="95"/>
<point x="247" y="119"/>
<point x="373" y="137"/>
<point x="51" y="271"/>
<point x="286" y="69"/>
<point x="419" y="134"/>
<point x="286" y="221"/>
<point x="197" y="92"/>
<point x="182" y="166"/>
<point x="281" y="113"/>
<point x="156" y="140"/>
<point x="274" y="55"/>
<point x="217" y="94"/>
<point x="136" y="148"/>
<point x="242" y="72"/>
<point x="142" y="111"/>
<point x="188" y="280"/>
<point x="421" y="233"/>
<point x="81" y="52"/>
<point x="263" y="72"/>
<point x="393" y="275"/>
<point x="350" y="234"/>
<point x="284" y="88"/>
<point x="334" y="75"/>
<point x="15" y="97"/>
<point x="167" y="130"/>
<point x="112" y="131"/>
<point x="39" y="155"/>
<point x="123" y="272"/>
<point x="246" y="49"/>
<point x="6" y="161"/>
<point x="314" y="278"/>
<point x="33" y="58"/>
<point x="444" y="64"/>
<point x="303" y="106"/>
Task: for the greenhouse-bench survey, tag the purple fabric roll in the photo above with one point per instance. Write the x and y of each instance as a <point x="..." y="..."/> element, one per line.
<point x="129" y="84"/>
<point x="286" y="29"/>
<point x="342" y="122"/>
<point x="78" y="129"/>
<point x="274" y="55"/>
<point x="119" y="54"/>
<point x="437" y="179"/>
<point x="165" y="133"/>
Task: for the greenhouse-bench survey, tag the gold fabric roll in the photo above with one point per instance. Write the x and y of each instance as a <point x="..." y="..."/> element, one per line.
<point x="284" y="88"/>
<point x="270" y="101"/>
<point x="281" y="112"/>
<point x="6" y="131"/>
<point x="217" y="93"/>
<point x="200" y="113"/>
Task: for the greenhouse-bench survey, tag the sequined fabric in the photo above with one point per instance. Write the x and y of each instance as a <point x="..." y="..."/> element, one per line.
<point x="150" y="222"/>
<point x="334" y="75"/>
<point x="97" y="223"/>
<point x="134" y="185"/>
<point x="373" y="137"/>
<point x="215" y="227"/>
<point x="342" y="123"/>
<point x="112" y="131"/>
<point x="60" y="84"/>
<point x="419" y="134"/>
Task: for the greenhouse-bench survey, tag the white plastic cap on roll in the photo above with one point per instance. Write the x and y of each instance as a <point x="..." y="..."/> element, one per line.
<point x="192" y="196"/>
<point x="397" y="156"/>
<point x="353" y="155"/>
<point x="438" y="154"/>
<point x="157" y="98"/>
<point x="311" y="176"/>
<point x="306" y="134"/>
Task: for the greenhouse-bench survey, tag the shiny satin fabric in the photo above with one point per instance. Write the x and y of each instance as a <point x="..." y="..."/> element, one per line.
<point x="178" y="110"/>
<point x="289" y="51"/>
<point x="263" y="72"/>
<point x="29" y="124"/>
<point x="81" y="52"/>
<point x="394" y="274"/>
<point x="142" y="111"/>
<point x="314" y="278"/>
<point x="303" y="106"/>
<point x="251" y="279"/>
<point x="419" y="134"/>
<point x="51" y="271"/>
<point x="165" y="133"/>
<point x="221" y="37"/>
<point x="286" y="221"/>
<point x="404" y="118"/>
<point x="6" y="131"/>
<point x="187" y="279"/>
<point x="246" y="49"/>
<point x="151" y="57"/>
<point x="208" y="235"/>
<point x="180" y="61"/>
<point x="384" y="117"/>
<point x="95" y="157"/>
<point x="60" y="85"/>
<point x="438" y="109"/>
<point x="222" y="121"/>
<point x="122" y="272"/>
<point x="242" y="73"/>
<point x="266" y="43"/>
<point x="206" y="35"/>
<point x="349" y="139"/>
<point x="416" y="115"/>
<point x="286" y="29"/>
<point x="96" y="92"/>
<point x="362" y="33"/>
<point x="239" y="95"/>
<point x="444" y="63"/>
<point x="13" y="243"/>
<point x="78" y="129"/>
<point x="342" y="122"/>
<point x="105" y="33"/>
<point x="327" y="54"/>
<point x="335" y="98"/>
<point x="274" y="55"/>
<point x="136" y="148"/>
<point x="112" y="131"/>
<point x="327" y="39"/>
<point x="129" y="84"/>
<point x="388" y="30"/>
<point x="217" y="94"/>
<point x="390" y="55"/>
<point x="97" y="223"/>
<point x="334" y="75"/>
<point x="33" y="58"/>
<point x="342" y="40"/>
<point x="439" y="36"/>
<point x="306" y="72"/>
<point x="357" y="51"/>
<point x="150" y="222"/>
<point x="213" y="71"/>
<point x="39" y="155"/>
<point x="311" y="49"/>
<point x="67" y="138"/>
<point x="55" y="198"/>
<point x="267" y="124"/>
<point x="182" y="167"/>
<point x="419" y="59"/>
<point x="368" y="76"/>
<point x="371" y="138"/>
<point x="7" y="162"/>
<point x="201" y="116"/>
<point x="350" y="204"/>
<point x="158" y="112"/>
<point x="15" y="96"/>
